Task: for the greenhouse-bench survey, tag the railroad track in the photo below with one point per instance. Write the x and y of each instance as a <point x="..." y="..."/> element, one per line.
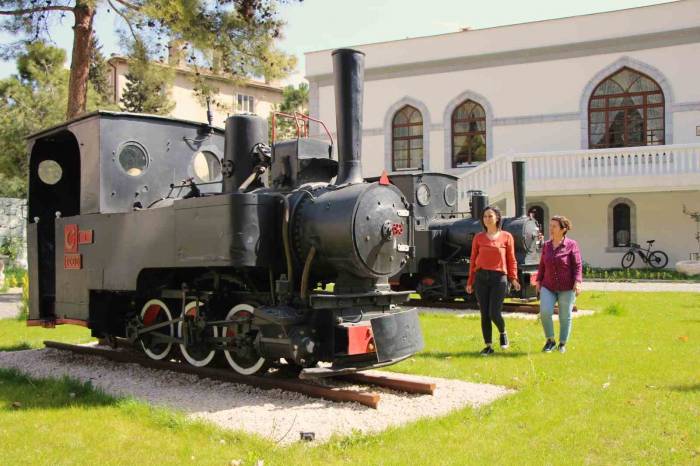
<point x="526" y="307"/>
<point x="269" y="382"/>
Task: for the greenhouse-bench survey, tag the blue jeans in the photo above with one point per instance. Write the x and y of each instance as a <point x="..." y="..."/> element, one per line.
<point x="566" y="301"/>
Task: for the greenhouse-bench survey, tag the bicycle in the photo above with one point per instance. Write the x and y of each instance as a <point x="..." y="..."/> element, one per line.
<point x="655" y="259"/>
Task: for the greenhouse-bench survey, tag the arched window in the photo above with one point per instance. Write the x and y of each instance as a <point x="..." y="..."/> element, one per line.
<point x="622" y="232"/>
<point x="407" y="139"/>
<point x="468" y="134"/>
<point x="626" y="109"/>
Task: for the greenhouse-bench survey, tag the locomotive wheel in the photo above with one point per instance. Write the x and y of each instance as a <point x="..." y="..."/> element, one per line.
<point x="251" y="362"/>
<point x="153" y="312"/>
<point x="197" y="354"/>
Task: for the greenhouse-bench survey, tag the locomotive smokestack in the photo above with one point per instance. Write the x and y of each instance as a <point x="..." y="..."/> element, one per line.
<point x="477" y="203"/>
<point x="519" y="187"/>
<point x="349" y="71"/>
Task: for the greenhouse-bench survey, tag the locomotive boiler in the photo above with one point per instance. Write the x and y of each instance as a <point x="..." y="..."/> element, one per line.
<point x="145" y="228"/>
<point x="444" y="235"/>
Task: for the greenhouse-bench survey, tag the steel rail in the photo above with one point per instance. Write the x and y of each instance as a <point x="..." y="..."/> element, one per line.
<point x="404" y="385"/>
<point x="367" y="399"/>
<point x="293" y="385"/>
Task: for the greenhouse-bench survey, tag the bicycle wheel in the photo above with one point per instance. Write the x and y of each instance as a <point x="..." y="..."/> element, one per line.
<point x="658" y="259"/>
<point x="628" y="260"/>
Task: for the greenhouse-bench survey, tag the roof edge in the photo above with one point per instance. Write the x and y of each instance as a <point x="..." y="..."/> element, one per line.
<point x="98" y="113"/>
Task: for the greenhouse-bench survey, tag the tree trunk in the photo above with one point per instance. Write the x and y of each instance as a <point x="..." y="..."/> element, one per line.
<point x="80" y="63"/>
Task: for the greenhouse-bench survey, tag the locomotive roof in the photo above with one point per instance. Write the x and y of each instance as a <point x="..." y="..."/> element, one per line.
<point x="101" y="113"/>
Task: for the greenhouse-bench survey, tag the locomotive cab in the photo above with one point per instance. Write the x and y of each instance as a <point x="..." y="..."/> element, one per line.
<point x="54" y="191"/>
<point x="102" y="163"/>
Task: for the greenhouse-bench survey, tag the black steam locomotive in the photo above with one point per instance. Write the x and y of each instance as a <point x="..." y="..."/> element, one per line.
<point x="223" y="262"/>
<point x="444" y="234"/>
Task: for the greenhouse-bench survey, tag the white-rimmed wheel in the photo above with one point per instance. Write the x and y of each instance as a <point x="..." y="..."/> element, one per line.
<point x="154" y="312"/>
<point x="197" y="354"/>
<point x="245" y="360"/>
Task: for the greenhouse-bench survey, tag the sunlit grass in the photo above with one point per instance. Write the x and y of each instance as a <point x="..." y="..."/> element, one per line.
<point x="626" y="392"/>
<point x="15" y="335"/>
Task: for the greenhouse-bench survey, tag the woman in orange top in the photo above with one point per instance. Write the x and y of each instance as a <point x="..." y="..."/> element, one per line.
<point x="492" y="260"/>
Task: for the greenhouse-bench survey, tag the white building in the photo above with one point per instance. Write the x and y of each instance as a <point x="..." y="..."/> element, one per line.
<point x="605" y="108"/>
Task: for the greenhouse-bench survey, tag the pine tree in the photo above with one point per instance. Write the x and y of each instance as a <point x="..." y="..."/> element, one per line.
<point x="97" y="73"/>
<point x="242" y="32"/>
<point x="295" y="100"/>
<point x="33" y="99"/>
<point x="147" y="84"/>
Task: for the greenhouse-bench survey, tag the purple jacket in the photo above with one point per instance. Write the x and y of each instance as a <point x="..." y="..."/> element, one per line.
<point x="560" y="268"/>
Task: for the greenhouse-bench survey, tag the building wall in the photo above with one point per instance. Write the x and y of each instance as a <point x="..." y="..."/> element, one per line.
<point x="659" y="216"/>
<point x="537" y="97"/>
<point x="536" y="107"/>
<point x="188" y="107"/>
<point x="534" y="81"/>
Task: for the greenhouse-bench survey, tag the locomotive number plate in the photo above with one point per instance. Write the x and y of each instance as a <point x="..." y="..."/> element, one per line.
<point x="73" y="261"/>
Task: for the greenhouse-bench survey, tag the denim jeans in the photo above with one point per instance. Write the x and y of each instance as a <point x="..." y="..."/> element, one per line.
<point x="490" y="288"/>
<point x="566" y="301"/>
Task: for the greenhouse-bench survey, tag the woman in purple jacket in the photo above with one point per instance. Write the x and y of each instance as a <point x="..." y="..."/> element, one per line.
<point x="559" y="280"/>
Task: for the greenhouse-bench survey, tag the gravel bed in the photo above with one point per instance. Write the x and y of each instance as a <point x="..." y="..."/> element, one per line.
<point x="274" y="414"/>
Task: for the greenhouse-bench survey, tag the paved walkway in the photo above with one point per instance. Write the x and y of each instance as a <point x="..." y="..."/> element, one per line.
<point x="9" y="303"/>
<point x="642" y="286"/>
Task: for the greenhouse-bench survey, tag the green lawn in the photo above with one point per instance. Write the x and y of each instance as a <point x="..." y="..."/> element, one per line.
<point x="627" y="392"/>
<point x="15" y="335"/>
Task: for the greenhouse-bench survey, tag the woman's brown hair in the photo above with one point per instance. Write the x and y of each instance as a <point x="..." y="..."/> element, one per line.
<point x="496" y="211"/>
<point x="564" y="223"/>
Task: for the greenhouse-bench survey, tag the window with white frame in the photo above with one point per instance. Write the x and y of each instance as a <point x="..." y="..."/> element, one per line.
<point x="245" y="103"/>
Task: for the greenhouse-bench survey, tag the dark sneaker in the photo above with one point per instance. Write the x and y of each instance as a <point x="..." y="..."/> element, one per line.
<point x="486" y="351"/>
<point x="504" y="340"/>
<point x="562" y="348"/>
<point x="549" y="346"/>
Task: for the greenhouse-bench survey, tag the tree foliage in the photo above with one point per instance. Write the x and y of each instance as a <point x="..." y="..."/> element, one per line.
<point x="295" y="100"/>
<point x="240" y="32"/>
<point x="98" y="71"/>
<point x="146" y="89"/>
<point x="32" y="100"/>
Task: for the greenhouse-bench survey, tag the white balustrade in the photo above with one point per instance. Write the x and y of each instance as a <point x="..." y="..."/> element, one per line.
<point x="584" y="169"/>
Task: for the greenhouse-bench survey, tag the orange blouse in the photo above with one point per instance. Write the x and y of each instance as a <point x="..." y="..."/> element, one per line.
<point x="493" y="254"/>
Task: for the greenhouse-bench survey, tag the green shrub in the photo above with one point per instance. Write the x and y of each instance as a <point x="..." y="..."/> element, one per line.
<point x="615" y="309"/>
<point x="12" y="247"/>
<point x="24" y="303"/>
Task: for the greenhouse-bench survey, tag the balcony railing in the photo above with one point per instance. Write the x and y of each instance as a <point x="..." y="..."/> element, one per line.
<point x="596" y="170"/>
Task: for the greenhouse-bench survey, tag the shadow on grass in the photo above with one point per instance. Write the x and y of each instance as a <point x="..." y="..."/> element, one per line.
<point x="469" y="354"/>
<point x="17" y="347"/>
<point x="19" y="392"/>
<point x="686" y="388"/>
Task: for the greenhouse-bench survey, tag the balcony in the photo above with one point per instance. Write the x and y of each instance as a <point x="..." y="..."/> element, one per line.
<point x="595" y="171"/>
